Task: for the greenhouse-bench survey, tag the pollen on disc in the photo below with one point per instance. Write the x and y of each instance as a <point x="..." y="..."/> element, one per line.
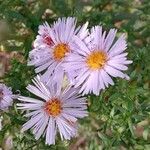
<point x="96" y="60"/>
<point x="53" y="107"/>
<point x="60" y="51"/>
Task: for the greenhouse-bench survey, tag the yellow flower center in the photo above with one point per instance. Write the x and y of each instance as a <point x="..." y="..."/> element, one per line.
<point x="60" y="50"/>
<point x="96" y="60"/>
<point x="53" y="107"/>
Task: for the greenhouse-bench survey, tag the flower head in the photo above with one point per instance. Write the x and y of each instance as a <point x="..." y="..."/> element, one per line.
<point x="97" y="60"/>
<point x="55" y="109"/>
<point x="6" y="97"/>
<point x="53" y="45"/>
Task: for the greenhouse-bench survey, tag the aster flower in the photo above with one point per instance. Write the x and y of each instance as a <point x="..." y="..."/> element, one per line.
<point x="98" y="60"/>
<point x="52" y="46"/>
<point x="55" y="110"/>
<point x="6" y="97"/>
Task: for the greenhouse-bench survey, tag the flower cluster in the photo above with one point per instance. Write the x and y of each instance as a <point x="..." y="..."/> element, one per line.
<point x="89" y="59"/>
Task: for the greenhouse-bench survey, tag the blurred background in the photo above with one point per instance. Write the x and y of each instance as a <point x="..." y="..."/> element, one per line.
<point x="119" y="118"/>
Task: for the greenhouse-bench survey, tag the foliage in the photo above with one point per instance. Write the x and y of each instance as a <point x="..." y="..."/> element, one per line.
<point x="120" y="117"/>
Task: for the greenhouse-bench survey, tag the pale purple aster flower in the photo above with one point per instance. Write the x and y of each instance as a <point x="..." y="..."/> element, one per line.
<point x="48" y="58"/>
<point x="55" y="110"/>
<point x="97" y="60"/>
<point x="6" y="97"/>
